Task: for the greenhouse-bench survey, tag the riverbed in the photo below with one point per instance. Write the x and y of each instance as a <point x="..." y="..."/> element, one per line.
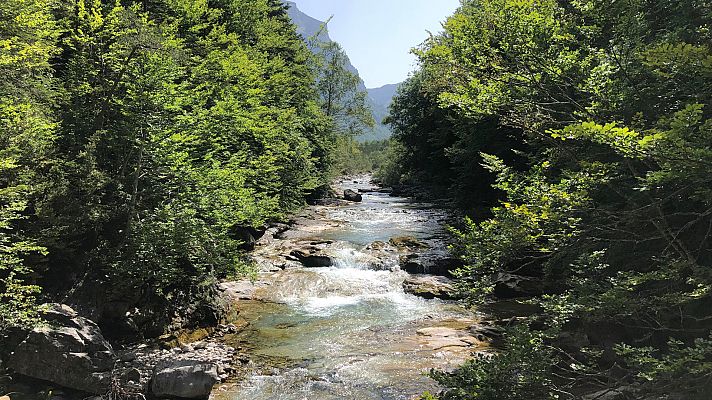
<point x="349" y="330"/>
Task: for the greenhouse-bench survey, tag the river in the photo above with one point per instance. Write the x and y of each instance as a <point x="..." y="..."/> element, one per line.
<point x="349" y="331"/>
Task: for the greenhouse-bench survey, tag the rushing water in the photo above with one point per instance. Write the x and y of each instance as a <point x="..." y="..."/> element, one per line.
<point x="349" y="331"/>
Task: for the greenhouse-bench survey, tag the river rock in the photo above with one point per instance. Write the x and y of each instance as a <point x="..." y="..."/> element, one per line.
<point x="312" y="260"/>
<point x="70" y="352"/>
<point x="429" y="286"/>
<point x="351" y="195"/>
<point x="432" y="264"/>
<point x="184" y="379"/>
<point x="407" y="243"/>
<point x="440" y="337"/>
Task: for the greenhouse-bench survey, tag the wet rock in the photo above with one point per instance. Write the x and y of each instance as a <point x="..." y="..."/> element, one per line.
<point x="312" y="260"/>
<point x="330" y="202"/>
<point x="184" y="379"/>
<point x="378" y="246"/>
<point x="407" y="243"/>
<point x="70" y="352"/>
<point x="351" y="195"/>
<point x="440" y="337"/>
<point x="429" y="264"/>
<point x="430" y="286"/>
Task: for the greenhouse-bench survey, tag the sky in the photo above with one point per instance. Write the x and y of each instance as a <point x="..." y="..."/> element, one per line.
<point x="378" y="34"/>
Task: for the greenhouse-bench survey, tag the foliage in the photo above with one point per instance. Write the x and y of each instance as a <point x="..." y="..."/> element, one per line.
<point x="351" y="157"/>
<point x="28" y="35"/>
<point x="606" y="201"/>
<point x="338" y="88"/>
<point x="160" y="130"/>
<point x="520" y="371"/>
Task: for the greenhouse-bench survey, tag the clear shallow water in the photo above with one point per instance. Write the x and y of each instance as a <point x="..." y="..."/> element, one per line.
<point x="349" y="332"/>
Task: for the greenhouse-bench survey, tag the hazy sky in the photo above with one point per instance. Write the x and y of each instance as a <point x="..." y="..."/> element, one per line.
<point x="378" y="34"/>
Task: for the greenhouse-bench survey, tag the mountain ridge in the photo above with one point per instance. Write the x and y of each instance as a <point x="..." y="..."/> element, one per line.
<point x="378" y="98"/>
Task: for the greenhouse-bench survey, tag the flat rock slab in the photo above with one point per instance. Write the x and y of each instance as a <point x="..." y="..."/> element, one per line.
<point x="441" y="337"/>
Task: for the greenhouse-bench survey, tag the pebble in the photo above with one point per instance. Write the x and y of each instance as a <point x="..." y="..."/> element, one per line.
<point x="142" y="360"/>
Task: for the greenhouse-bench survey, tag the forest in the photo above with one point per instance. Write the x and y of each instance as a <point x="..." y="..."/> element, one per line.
<point x="140" y="142"/>
<point x="577" y="135"/>
<point x="145" y="145"/>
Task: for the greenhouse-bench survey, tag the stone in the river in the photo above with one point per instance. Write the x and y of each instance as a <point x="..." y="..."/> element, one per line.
<point x="430" y="286"/>
<point x="350" y="195"/>
<point x="440" y="337"/>
<point x="407" y="243"/>
<point x="184" y="379"/>
<point x="70" y="352"/>
<point x="377" y="246"/>
<point x="432" y="264"/>
<point x="312" y="260"/>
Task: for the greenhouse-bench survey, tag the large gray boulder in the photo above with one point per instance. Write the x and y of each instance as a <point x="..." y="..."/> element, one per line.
<point x="184" y="379"/>
<point x="69" y="351"/>
<point x="351" y="195"/>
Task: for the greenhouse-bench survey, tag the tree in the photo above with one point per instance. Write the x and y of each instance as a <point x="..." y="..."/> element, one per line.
<point x="338" y="88"/>
<point x="609" y="208"/>
<point x="28" y="40"/>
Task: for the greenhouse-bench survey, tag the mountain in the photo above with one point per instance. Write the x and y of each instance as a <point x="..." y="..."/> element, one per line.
<point x="378" y="99"/>
<point x="384" y="94"/>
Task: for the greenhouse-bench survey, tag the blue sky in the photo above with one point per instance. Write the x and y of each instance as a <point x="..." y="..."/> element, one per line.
<point x="378" y="34"/>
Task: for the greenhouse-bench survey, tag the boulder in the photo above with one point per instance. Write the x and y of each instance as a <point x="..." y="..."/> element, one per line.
<point x="70" y="351"/>
<point x="432" y="264"/>
<point x="312" y="260"/>
<point x="351" y="195"/>
<point x="407" y="243"/>
<point x="430" y="286"/>
<point x="184" y="379"/>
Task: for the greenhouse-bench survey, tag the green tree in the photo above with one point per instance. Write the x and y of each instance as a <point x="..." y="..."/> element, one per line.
<point x="610" y="207"/>
<point x="28" y="40"/>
